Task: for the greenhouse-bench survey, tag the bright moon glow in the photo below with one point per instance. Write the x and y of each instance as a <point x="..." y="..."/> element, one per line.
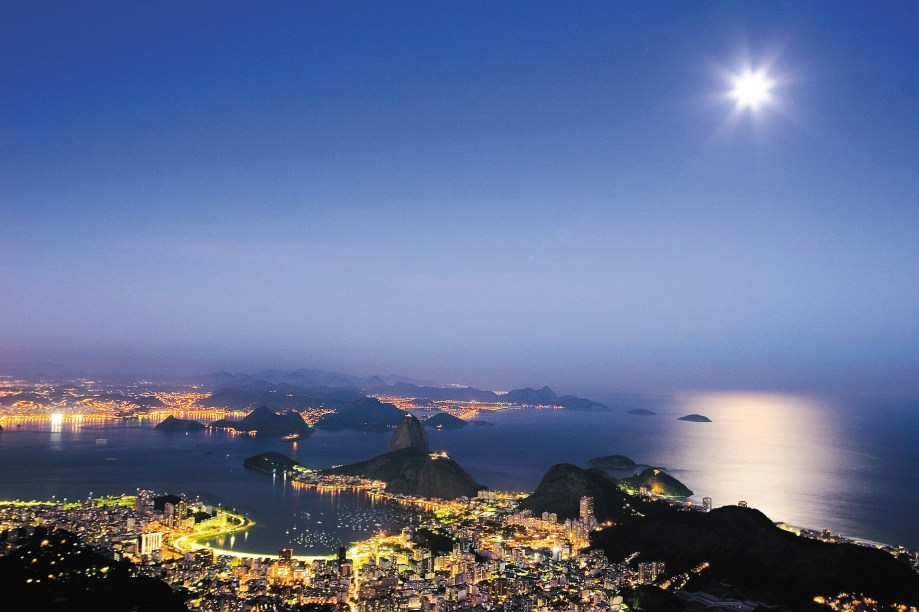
<point x="752" y="89"/>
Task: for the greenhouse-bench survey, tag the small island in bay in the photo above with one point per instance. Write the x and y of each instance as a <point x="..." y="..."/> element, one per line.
<point x="642" y="411"/>
<point x="656" y="481"/>
<point x="172" y="423"/>
<point x="613" y="462"/>
<point x="695" y="418"/>
<point x="485" y="423"/>
<point x="444" y="420"/>
<point x="271" y="462"/>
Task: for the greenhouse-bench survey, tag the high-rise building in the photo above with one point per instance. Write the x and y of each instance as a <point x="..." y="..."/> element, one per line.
<point x="587" y="508"/>
<point x="650" y="571"/>
<point x="150" y="541"/>
<point x="707" y="504"/>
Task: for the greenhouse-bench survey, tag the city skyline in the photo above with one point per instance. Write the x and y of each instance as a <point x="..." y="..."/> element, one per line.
<point x="502" y="196"/>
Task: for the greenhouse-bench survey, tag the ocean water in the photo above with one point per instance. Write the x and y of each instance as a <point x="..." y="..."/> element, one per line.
<point x="851" y="467"/>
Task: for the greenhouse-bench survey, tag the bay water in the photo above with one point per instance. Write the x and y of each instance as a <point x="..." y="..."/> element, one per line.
<point x="848" y="466"/>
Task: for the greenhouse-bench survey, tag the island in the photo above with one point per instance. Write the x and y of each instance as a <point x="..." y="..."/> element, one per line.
<point x="642" y="412"/>
<point x="613" y="462"/>
<point x="444" y="420"/>
<point x="695" y="418"/>
<point x="271" y="463"/>
<point x="172" y="423"/>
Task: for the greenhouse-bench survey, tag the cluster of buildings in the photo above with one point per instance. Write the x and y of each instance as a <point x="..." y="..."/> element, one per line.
<point x="133" y="528"/>
<point x="481" y="553"/>
<point x="473" y="554"/>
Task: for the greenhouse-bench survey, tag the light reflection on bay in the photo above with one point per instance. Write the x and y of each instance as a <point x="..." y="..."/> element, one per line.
<point x="802" y="460"/>
<point x="777" y="452"/>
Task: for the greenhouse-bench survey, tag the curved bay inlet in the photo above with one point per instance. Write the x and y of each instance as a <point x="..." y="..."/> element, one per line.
<point x="847" y="467"/>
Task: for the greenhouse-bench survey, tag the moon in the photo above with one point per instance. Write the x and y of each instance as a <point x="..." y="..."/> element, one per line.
<point x="752" y="89"/>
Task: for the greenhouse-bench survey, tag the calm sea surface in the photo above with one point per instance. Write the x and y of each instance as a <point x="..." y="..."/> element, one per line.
<point x="851" y="468"/>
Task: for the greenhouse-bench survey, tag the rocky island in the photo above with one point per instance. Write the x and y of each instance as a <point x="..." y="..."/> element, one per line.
<point x="695" y="418"/>
<point x="642" y="412"/>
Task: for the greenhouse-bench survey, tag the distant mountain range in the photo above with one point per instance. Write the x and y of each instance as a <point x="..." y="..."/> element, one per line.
<point x="285" y="390"/>
<point x="283" y="396"/>
<point x="304" y="378"/>
<point x="527" y="396"/>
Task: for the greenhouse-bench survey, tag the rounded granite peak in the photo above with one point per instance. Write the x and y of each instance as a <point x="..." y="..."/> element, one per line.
<point x="409" y="434"/>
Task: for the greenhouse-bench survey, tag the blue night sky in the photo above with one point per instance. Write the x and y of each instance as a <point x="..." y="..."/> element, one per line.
<point x="498" y="194"/>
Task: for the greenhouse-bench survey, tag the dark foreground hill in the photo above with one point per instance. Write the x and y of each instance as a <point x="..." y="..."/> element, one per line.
<point x="83" y="579"/>
<point x="751" y="558"/>
<point x="562" y="487"/>
<point x="412" y="471"/>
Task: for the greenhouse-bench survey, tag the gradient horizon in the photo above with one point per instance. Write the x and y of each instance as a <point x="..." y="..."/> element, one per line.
<point x="500" y="195"/>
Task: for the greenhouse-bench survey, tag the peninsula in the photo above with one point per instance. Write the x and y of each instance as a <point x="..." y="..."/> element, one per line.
<point x="655" y="481"/>
<point x="410" y="468"/>
<point x="265" y="421"/>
